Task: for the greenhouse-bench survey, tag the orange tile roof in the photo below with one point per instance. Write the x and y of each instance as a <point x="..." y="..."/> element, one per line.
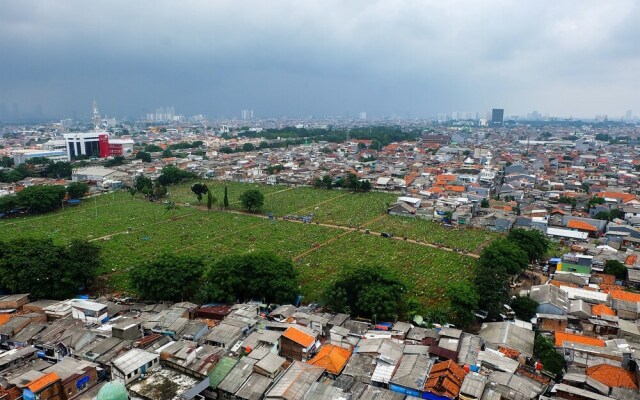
<point x="42" y="382"/>
<point x="624" y="197"/>
<point x="562" y="337"/>
<point x="577" y="224"/>
<point x="561" y="284"/>
<point x="601" y="309"/>
<point x="631" y="259"/>
<point x="450" y="386"/>
<point x="445" y="177"/>
<point x="613" y="376"/>
<point x="454" y="188"/>
<point x="296" y="335"/>
<point x="332" y="358"/>
<point x="4" y="317"/>
<point x="625" y="296"/>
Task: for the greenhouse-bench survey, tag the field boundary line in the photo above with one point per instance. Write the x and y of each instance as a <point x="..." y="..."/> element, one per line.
<point x="321" y="245"/>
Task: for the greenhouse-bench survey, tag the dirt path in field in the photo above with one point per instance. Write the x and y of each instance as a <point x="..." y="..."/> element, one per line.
<point x="321" y="245"/>
<point x="479" y="249"/>
<point x="313" y="206"/>
<point x="346" y="230"/>
<point x="109" y="236"/>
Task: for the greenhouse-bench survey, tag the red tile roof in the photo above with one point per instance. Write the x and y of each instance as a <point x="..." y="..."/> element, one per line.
<point x="445" y="379"/>
<point x="332" y="358"/>
<point x="613" y="376"/>
<point x="577" y="224"/>
<point x="42" y="382"/>
<point x="562" y="337"/>
<point x="296" y="335"/>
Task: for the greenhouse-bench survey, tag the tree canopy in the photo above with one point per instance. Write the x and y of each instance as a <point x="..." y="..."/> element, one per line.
<point x="46" y="270"/>
<point x="144" y="156"/>
<point x="615" y="267"/>
<point x="257" y="275"/>
<point x="524" y="307"/>
<point x="41" y="199"/>
<point x="464" y="302"/>
<point x="199" y="189"/>
<point x="367" y="291"/>
<point x="172" y="174"/>
<point x="174" y="277"/>
<point x="506" y="253"/>
<point x="252" y="200"/>
<point x="77" y="190"/>
<point x="551" y="360"/>
<point x="533" y="242"/>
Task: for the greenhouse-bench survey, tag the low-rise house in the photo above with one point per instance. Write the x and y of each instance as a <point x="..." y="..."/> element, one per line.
<point x="89" y="311"/>
<point x="295" y="382"/>
<point x="14" y="301"/>
<point x="133" y="364"/>
<point x="224" y="335"/>
<point x="332" y="358"/>
<point x="508" y="334"/>
<point x="236" y="377"/>
<point x="411" y="374"/>
<point x="295" y="344"/>
<point x="551" y="299"/>
<point x="472" y="386"/>
<point x="444" y="382"/>
<point x="76" y="376"/>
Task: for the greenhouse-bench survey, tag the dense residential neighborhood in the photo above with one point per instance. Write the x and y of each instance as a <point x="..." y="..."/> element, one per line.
<point x="574" y="186"/>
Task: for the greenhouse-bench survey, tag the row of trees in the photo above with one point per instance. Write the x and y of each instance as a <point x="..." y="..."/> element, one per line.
<point x="350" y="182"/>
<point x="502" y="259"/>
<point x="41" y="199"/>
<point x="177" y="277"/>
<point x="46" y="270"/>
<point x="40" y="167"/>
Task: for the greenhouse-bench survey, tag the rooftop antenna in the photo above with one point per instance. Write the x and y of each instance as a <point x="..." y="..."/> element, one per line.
<point x="96" y="116"/>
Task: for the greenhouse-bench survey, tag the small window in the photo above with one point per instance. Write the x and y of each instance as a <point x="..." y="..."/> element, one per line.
<point x="149" y="363"/>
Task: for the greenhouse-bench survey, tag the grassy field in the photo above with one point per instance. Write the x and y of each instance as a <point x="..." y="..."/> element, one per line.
<point x="320" y="251"/>
<point x="433" y="232"/>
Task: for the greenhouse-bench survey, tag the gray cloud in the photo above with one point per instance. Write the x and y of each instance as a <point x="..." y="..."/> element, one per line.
<point x="319" y="57"/>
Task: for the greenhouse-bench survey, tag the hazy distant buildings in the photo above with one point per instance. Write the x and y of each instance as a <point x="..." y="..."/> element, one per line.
<point x="497" y="116"/>
<point x="363" y="115"/>
<point x="247" y="114"/>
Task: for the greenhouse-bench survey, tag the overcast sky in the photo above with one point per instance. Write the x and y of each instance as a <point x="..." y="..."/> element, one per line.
<point x="300" y="58"/>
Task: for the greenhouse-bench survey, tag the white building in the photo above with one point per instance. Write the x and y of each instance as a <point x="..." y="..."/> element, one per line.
<point x="89" y="311"/>
<point x="133" y="364"/>
<point x="22" y="156"/>
<point x="83" y="144"/>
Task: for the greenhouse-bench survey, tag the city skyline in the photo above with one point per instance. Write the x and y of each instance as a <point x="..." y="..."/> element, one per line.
<point x="574" y="59"/>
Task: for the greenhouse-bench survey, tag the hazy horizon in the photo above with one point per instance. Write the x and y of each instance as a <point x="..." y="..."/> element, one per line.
<point x="417" y="59"/>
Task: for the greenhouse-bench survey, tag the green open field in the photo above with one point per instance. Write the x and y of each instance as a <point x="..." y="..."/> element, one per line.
<point x="319" y="251"/>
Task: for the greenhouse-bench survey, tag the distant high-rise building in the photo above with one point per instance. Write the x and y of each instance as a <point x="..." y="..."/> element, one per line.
<point x="363" y="115"/>
<point x="245" y="114"/>
<point x="497" y="116"/>
<point x="628" y="115"/>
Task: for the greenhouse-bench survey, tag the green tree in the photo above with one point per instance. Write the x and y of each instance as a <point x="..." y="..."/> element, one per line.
<point x="533" y="242"/>
<point x="167" y="153"/>
<point x="327" y="182"/>
<point x="252" y="200"/>
<point x="77" y="190"/>
<point x="497" y="261"/>
<point x="248" y="147"/>
<point x="46" y="270"/>
<point x="551" y="360"/>
<point x="59" y="170"/>
<point x="199" y="189"/>
<point x="144" y="156"/>
<point x="152" y="148"/>
<point x="143" y="183"/>
<point x="173" y="277"/>
<point x="210" y="200"/>
<point x="257" y="275"/>
<point x="317" y="182"/>
<point x="568" y="200"/>
<point x="615" y="267"/>
<point x="524" y="307"/>
<point x="8" y="203"/>
<point x="40" y="199"/>
<point x="364" y="186"/>
<point x="616" y="213"/>
<point x="367" y="291"/>
<point x="595" y="201"/>
<point x="464" y="302"/>
<point x="485" y="203"/>
<point x="506" y="253"/>
<point x="602" y="215"/>
<point x="6" y="162"/>
<point x="171" y="175"/>
<point x="225" y="200"/>
<point x="115" y="161"/>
